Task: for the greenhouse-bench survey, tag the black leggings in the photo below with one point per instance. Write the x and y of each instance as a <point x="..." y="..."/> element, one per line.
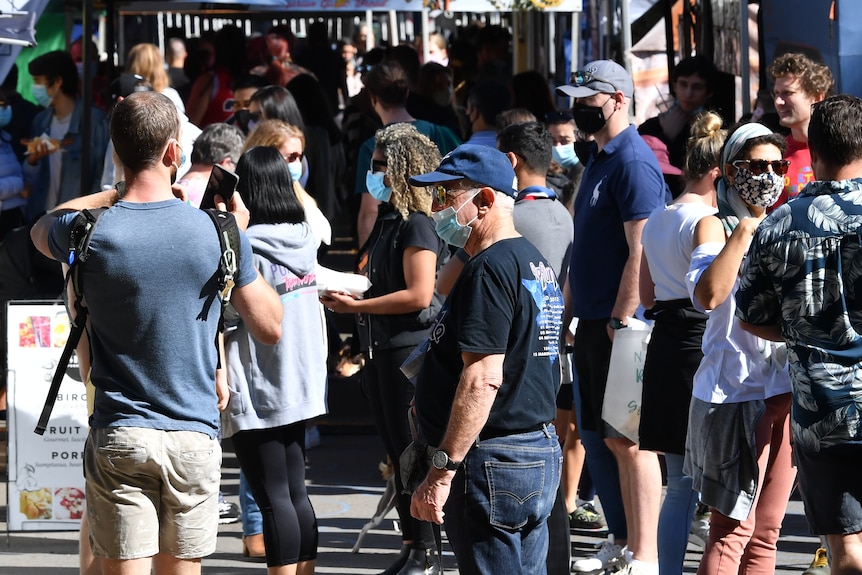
<point x="273" y="461"/>
<point x="389" y="394"/>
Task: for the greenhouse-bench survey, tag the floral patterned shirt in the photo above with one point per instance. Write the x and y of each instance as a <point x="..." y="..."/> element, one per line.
<point x="804" y="273"/>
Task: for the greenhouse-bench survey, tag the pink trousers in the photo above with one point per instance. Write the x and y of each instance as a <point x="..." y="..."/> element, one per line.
<point x="749" y="547"/>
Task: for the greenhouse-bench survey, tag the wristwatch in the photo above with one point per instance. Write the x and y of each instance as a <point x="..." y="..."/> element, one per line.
<point x="616" y="323"/>
<point x="441" y="460"/>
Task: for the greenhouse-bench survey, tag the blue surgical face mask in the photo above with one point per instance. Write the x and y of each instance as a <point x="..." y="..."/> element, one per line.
<point x="40" y="94"/>
<point x="295" y="169"/>
<point x="449" y="229"/>
<point x="5" y="116"/>
<point x="378" y="190"/>
<point x="564" y="154"/>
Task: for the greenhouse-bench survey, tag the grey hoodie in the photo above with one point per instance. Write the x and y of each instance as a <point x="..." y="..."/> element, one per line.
<point x="275" y="385"/>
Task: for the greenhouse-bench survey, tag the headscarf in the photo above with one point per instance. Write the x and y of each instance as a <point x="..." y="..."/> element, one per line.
<point x="729" y="201"/>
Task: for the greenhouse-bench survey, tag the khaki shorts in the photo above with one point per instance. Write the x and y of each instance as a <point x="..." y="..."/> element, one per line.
<point x="152" y="491"/>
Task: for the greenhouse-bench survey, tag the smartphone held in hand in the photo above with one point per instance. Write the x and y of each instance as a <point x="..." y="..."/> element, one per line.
<point x="223" y="183"/>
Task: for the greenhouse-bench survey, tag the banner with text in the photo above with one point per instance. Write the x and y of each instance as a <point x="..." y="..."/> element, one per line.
<point x="46" y="479"/>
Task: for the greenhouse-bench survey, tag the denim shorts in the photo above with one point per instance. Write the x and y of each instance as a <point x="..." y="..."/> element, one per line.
<point x="831" y="490"/>
<point x="151" y="491"/>
<point x="496" y="516"/>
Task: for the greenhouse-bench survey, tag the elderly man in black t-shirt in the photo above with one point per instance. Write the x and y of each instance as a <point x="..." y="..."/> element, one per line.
<point x="486" y="392"/>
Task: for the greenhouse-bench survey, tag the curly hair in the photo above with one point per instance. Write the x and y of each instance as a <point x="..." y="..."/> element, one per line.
<point x="814" y="77"/>
<point x="408" y="153"/>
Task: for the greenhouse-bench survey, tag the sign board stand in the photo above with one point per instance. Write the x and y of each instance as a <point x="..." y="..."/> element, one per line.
<point x="45" y="489"/>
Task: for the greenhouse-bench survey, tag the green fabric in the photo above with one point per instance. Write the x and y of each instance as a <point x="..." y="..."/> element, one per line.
<point x="50" y="35"/>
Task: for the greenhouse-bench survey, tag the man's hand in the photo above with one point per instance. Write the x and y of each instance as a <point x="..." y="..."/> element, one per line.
<point x="222" y="391"/>
<point x="431" y="495"/>
<point x="238" y="209"/>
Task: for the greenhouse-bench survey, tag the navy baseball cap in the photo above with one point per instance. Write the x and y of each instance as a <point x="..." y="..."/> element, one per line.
<point x="599" y="76"/>
<point x="480" y="164"/>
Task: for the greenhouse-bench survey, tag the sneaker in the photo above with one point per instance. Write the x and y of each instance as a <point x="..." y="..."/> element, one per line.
<point x="699" y="533"/>
<point x="227" y="512"/>
<point x="628" y="569"/>
<point x="820" y="564"/>
<point x="586" y="518"/>
<point x="609" y="555"/>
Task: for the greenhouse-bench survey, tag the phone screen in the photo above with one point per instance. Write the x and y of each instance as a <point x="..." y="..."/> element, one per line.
<point x="222" y="182"/>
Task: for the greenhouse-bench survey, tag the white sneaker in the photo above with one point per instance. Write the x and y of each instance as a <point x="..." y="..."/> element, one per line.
<point x="608" y="555"/>
<point x="699" y="533"/>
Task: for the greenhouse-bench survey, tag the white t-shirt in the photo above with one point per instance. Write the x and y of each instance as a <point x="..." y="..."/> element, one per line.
<point x="59" y="129"/>
<point x="668" y="242"/>
<point x="737" y="366"/>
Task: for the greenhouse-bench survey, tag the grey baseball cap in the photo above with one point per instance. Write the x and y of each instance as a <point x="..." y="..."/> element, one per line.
<point x="599" y="76"/>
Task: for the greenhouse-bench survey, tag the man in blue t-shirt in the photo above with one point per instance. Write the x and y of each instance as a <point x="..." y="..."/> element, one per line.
<point x="152" y="460"/>
<point x="622" y="184"/>
<point x="485" y="395"/>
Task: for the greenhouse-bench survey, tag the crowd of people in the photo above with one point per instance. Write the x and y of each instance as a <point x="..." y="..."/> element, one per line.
<point x="506" y="242"/>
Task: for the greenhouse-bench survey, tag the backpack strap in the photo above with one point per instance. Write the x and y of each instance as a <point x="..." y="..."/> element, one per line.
<point x="228" y="235"/>
<point x="80" y="233"/>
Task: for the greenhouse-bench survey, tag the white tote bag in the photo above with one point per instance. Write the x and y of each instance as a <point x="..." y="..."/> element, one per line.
<point x="622" y="404"/>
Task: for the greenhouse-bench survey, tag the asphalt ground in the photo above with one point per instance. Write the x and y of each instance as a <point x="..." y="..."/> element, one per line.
<point x="345" y="487"/>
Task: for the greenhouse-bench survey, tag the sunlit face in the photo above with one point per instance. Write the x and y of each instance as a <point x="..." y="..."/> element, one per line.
<point x="436" y="53"/>
<point x="766" y="152"/>
<point x="691" y="93"/>
<point x="291" y="149"/>
<point x="563" y="133"/>
<point x="792" y="103"/>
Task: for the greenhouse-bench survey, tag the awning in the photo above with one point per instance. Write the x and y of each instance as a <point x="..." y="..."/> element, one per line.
<point x="17" y="28"/>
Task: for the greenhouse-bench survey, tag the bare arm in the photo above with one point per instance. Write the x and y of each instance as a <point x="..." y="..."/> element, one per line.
<point x="768" y="332"/>
<point x="480" y="379"/>
<point x="628" y="294"/>
<point x="368" y="208"/>
<point x="716" y="283"/>
<point x="260" y="308"/>
<point x="646" y="285"/>
<point x="40" y="231"/>
<point x="419" y="268"/>
<point x="448" y="275"/>
<point x="199" y="97"/>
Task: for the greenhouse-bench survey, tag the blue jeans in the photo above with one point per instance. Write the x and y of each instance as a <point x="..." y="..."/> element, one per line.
<point x="252" y="519"/>
<point x="604" y="472"/>
<point x="674" y="522"/>
<point x="496" y="515"/>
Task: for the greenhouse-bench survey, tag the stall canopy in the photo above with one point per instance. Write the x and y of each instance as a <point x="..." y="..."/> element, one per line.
<point x="353" y="5"/>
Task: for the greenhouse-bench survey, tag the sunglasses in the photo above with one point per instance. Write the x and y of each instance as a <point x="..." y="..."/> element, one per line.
<point x="378" y="165"/>
<point x="582" y="78"/>
<point x="758" y="167"/>
<point x="294" y="157"/>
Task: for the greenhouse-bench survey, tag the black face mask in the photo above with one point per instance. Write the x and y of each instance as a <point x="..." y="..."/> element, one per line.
<point x="590" y="119"/>
<point x="240" y="120"/>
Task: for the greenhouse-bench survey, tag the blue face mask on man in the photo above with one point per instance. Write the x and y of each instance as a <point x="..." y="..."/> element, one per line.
<point x="5" y="116"/>
<point x="565" y="155"/>
<point x="378" y="190"/>
<point x="40" y="94"/>
<point x="449" y="229"/>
